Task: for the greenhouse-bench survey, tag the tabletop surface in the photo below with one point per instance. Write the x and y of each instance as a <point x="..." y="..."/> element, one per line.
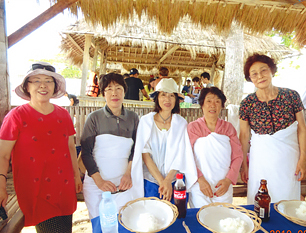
<point x="276" y="224"/>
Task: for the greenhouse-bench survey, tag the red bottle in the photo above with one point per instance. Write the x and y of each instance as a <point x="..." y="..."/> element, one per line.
<point x="262" y="202"/>
<point x="180" y="195"/>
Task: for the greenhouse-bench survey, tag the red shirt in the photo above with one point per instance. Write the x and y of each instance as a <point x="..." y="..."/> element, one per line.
<point x="41" y="162"/>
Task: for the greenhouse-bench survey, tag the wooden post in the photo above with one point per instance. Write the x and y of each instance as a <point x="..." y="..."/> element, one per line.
<point x="38" y="21"/>
<point x="102" y="61"/>
<point x="212" y="72"/>
<point x="85" y="65"/>
<point x="4" y="77"/>
<point x="95" y="59"/>
<point x="105" y="62"/>
<point x="233" y="78"/>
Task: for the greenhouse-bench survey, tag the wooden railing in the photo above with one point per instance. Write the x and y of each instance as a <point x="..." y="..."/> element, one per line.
<point x="79" y="114"/>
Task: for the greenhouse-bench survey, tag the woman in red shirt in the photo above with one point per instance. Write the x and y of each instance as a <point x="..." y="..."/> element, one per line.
<point x="39" y="138"/>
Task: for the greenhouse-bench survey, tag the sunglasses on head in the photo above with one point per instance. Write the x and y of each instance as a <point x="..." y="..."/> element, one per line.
<point x="43" y="67"/>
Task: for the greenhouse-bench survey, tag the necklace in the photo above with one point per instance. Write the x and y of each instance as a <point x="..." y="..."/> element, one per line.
<point x="163" y="118"/>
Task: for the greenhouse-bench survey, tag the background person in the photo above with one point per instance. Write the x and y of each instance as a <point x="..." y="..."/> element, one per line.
<point x="217" y="151"/>
<point x="187" y="87"/>
<point x="163" y="146"/>
<point x="195" y="90"/>
<point x="134" y="84"/>
<point x="205" y="80"/>
<point x="163" y="73"/>
<point x="40" y="136"/>
<point x="73" y="99"/>
<point x="108" y="165"/>
<point x="273" y="118"/>
<point x="149" y="88"/>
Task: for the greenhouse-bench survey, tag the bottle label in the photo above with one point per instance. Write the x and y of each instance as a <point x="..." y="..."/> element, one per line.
<point x="180" y="194"/>
<point x="261" y="212"/>
<point x="109" y="219"/>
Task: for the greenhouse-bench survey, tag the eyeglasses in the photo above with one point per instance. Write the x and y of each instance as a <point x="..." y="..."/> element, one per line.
<point x="116" y="89"/>
<point x="263" y="72"/>
<point x="43" y="67"/>
<point x="38" y="82"/>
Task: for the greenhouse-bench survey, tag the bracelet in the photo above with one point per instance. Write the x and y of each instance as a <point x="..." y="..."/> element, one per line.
<point x="4" y="176"/>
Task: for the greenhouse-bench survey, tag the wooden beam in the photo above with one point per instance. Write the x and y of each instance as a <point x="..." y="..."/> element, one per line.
<point x="74" y="43"/>
<point x="170" y="51"/>
<point x="38" y="21"/>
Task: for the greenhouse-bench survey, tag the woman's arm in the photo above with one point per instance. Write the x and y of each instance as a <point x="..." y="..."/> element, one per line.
<point x="126" y="180"/>
<point x="244" y="138"/>
<point x="301" y="165"/>
<point x="5" y="155"/>
<point x="205" y="187"/>
<point x="73" y="154"/>
<point x="146" y="157"/>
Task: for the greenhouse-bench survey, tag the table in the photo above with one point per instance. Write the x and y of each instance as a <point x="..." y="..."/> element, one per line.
<point x="277" y="223"/>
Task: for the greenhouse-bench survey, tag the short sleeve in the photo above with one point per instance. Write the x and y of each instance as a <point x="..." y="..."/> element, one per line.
<point x="297" y="102"/>
<point x="10" y="126"/>
<point x="140" y="84"/>
<point x="243" y="111"/>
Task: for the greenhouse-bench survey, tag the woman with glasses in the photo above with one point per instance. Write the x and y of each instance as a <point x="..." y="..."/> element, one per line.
<point x="273" y="118"/>
<point x="39" y="138"/>
<point x="108" y="147"/>
<point x="162" y="146"/>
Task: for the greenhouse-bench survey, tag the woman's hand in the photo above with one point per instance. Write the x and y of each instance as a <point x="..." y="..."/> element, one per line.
<point x="3" y="196"/>
<point x="301" y="168"/>
<point x="205" y="187"/>
<point x="78" y="184"/>
<point x="104" y="185"/>
<point x="244" y="172"/>
<point x="126" y="182"/>
<point x="165" y="190"/>
<point x="223" y="187"/>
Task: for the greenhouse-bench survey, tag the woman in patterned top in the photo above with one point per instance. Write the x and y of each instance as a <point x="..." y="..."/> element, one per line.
<point x="273" y="118"/>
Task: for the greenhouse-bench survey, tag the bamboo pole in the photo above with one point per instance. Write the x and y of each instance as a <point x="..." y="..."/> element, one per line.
<point x="38" y="21"/>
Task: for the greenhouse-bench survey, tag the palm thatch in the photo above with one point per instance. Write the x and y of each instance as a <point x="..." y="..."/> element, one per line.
<point x="256" y="16"/>
<point x="138" y="43"/>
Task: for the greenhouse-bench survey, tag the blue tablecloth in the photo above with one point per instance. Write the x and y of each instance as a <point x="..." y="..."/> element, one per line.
<point x="277" y="223"/>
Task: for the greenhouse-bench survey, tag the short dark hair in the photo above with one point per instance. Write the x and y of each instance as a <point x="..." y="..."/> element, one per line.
<point x="163" y="71"/>
<point x="258" y="58"/>
<point x="205" y="75"/>
<point x="26" y="84"/>
<point x="106" y="79"/>
<point x="196" y="79"/>
<point x="213" y="90"/>
<point x="188" y="80"/>
<point x="176" y="108"/>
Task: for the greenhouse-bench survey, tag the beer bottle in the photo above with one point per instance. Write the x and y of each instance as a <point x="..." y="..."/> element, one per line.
<point x="262" y="202"/>
<point x="180" y="195"/>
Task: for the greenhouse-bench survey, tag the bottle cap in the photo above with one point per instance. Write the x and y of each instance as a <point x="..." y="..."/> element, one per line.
<point x="106" y="194"/>
<point x="179" y="176"/>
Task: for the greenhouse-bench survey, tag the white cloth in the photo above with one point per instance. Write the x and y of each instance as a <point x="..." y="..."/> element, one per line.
<point x="156" y="146"/>
<point x="233" y="116"/>
<point x="213" y="158"/>
<point x="111" y="154"/>
<point x="179" y="155"/>
<point x="274" y="158"/>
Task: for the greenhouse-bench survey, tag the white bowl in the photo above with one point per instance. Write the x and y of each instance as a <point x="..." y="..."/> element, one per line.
<point x="289" y="208"/>
<point x="212" y="215"/>
<point x="164" y="212"/>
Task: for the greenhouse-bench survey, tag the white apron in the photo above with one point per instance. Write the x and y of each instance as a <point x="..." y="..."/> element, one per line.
<point x="213" y="158"/>
<point x="274" y="158"/>
<point x="111" y="154"/>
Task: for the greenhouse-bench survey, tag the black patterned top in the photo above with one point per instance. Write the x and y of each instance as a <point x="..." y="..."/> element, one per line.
<point x="277" y="114"/>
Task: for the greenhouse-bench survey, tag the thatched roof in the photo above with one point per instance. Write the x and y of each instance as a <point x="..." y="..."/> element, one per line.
<point x="257" y="16"/>
<point x="138" y="43"/>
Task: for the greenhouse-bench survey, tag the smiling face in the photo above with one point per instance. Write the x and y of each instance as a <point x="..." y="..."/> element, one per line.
<point x="114" y="95"/>
<point x="261" y="75"/>
<point x="41" y="88"/>
<point x="166" y="101"/>
<point x="212" y="106"/>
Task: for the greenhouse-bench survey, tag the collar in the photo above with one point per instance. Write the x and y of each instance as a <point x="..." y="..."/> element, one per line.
<point x="108" y="112"/>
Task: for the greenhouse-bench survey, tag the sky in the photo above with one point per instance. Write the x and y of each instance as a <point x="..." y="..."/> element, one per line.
<point x="44" y="43"/>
